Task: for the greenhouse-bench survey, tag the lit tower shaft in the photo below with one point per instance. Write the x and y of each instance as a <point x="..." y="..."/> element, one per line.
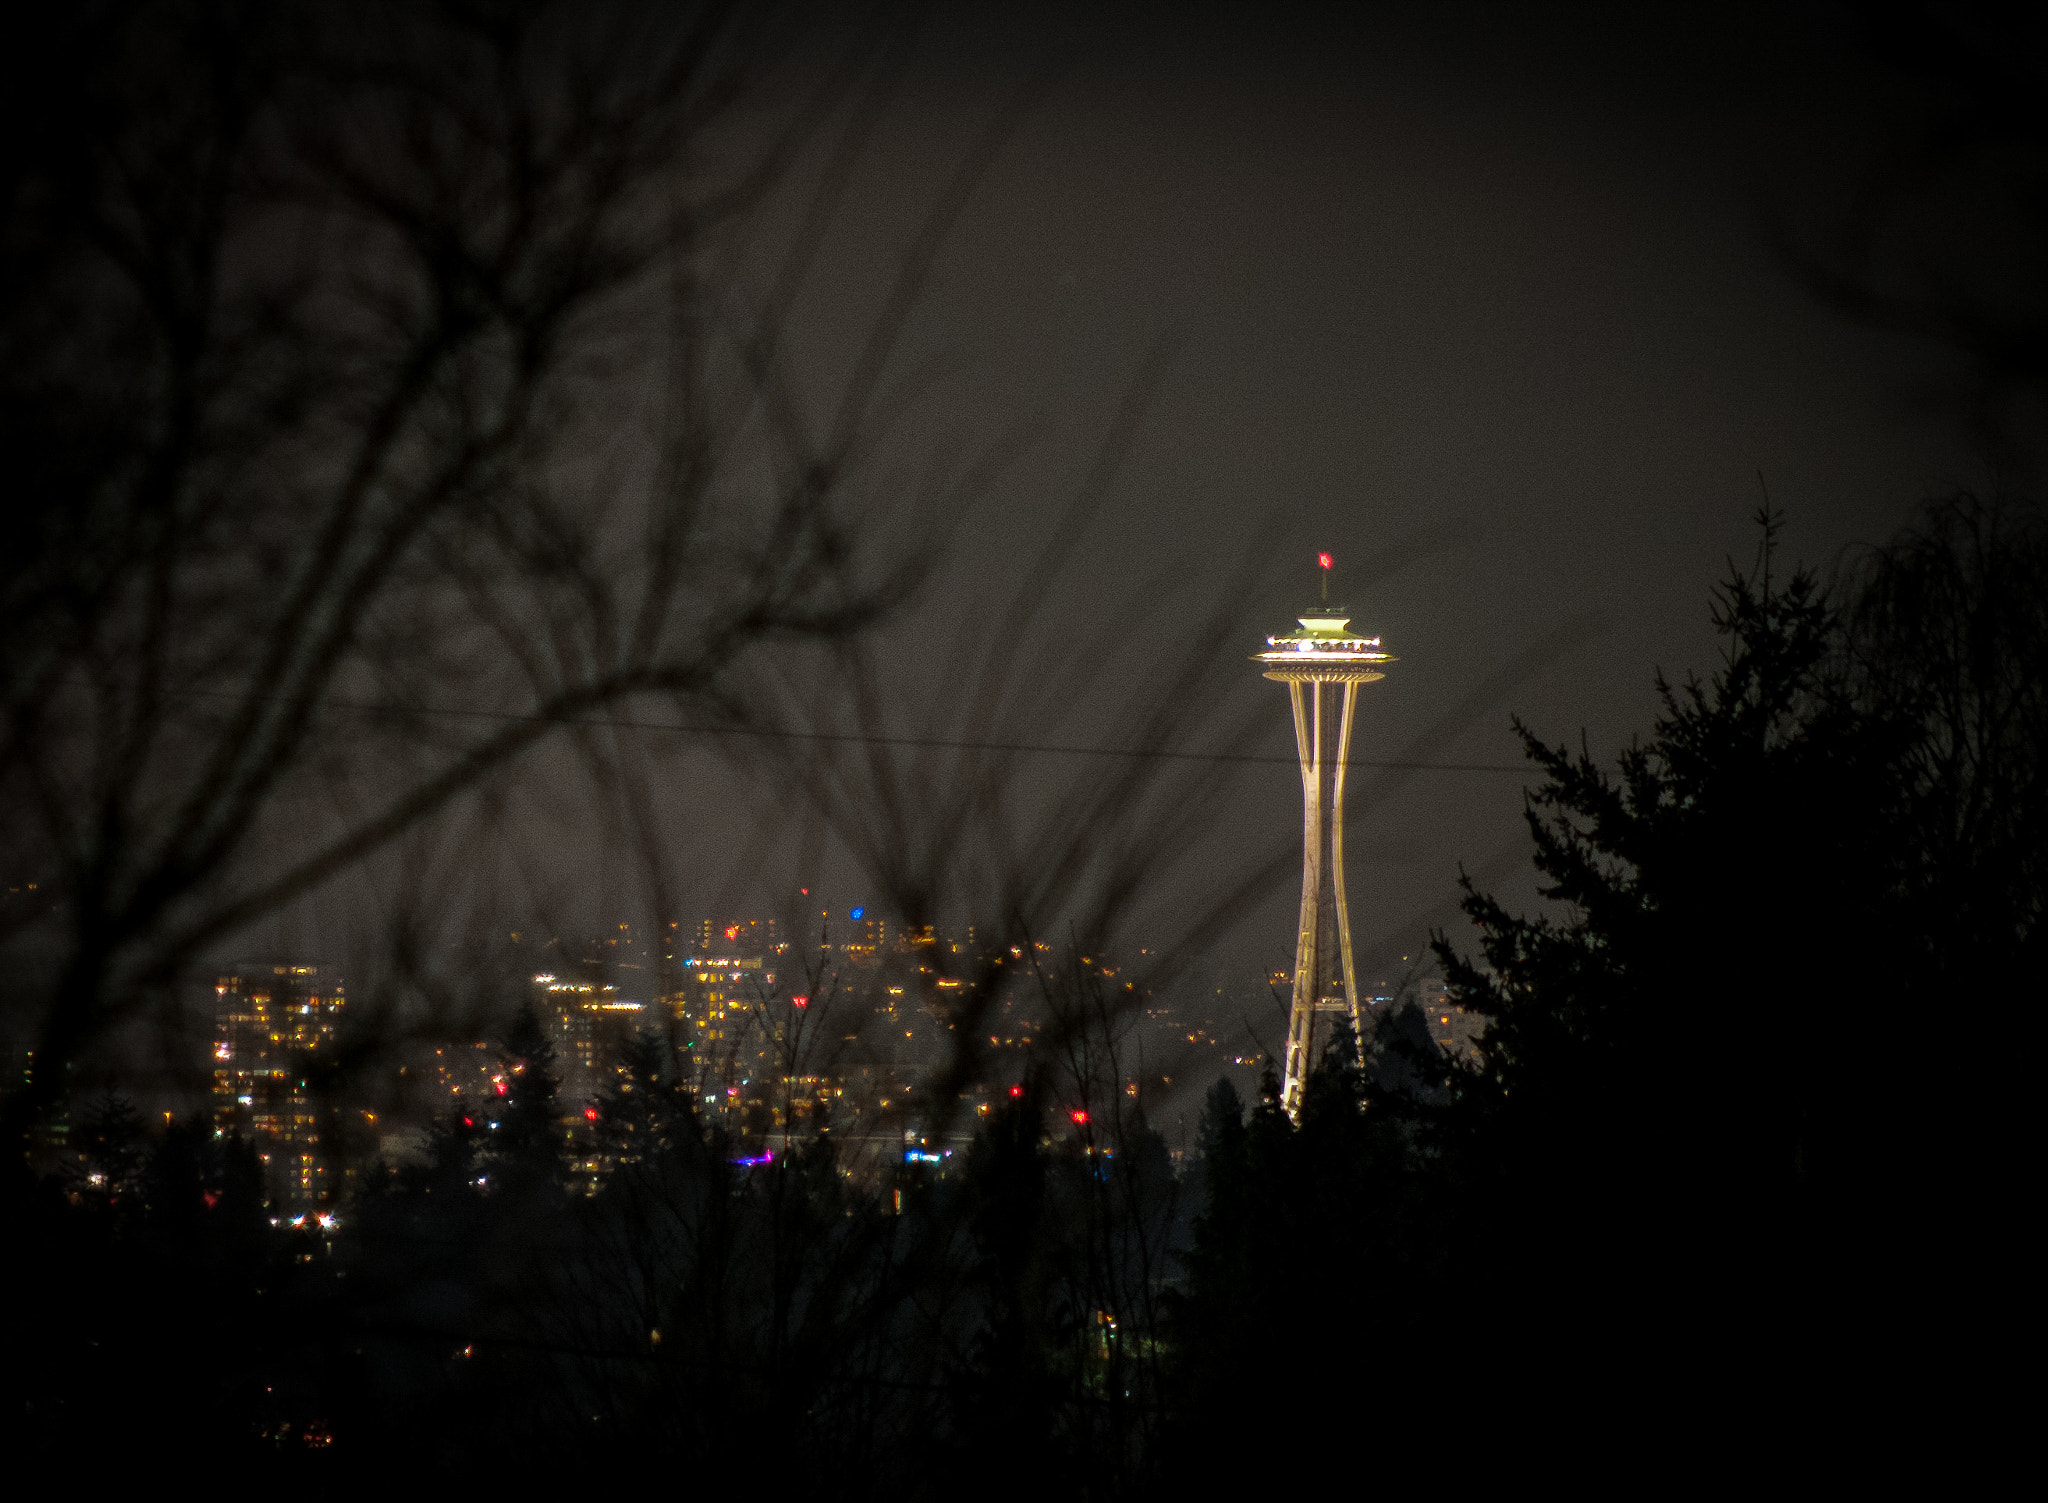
<point x="1322" y="665"/>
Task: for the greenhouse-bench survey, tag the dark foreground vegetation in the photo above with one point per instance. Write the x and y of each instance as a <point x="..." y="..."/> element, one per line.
<point x="1739" y="1159"/>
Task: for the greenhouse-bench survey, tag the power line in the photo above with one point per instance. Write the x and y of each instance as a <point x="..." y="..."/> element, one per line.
<point x="940" y="743"/>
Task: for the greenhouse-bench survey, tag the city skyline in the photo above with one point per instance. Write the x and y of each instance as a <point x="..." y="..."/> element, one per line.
<point x="727" y="1020"/>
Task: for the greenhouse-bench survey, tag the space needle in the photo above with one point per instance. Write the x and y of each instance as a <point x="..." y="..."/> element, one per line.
<point x="1315" y="663"/>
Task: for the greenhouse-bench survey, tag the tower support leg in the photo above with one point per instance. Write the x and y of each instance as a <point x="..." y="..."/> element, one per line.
<point x="1343" y="757"/>
<point x="1301" y="1015"/>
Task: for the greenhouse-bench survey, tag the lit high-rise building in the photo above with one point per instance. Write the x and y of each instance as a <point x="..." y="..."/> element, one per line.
<point x="719" y="993"/>
<point x="590" y="1026"/>
<point x="271" y="1022"/>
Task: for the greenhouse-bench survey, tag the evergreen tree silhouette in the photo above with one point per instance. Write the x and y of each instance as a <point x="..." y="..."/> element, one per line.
<point x="528" y="1135"/>
<point x="1003" y="1402"/>
<point x="1669" y="1155"/>
<point x="110" y="1150"/>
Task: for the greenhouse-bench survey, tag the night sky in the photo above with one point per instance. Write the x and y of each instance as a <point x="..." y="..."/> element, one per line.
<point x="1487" y="305"/>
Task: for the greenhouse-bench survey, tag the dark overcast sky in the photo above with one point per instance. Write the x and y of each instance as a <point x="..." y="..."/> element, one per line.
<point x="1493" y="277"/>
<point x="1438" y="267"/>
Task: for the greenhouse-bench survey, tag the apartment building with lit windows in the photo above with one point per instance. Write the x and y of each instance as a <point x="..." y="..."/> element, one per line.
<point x="272" y="1022"/>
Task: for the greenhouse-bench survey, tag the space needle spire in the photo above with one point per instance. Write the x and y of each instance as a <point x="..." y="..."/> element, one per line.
<point x="1322" y="665"/>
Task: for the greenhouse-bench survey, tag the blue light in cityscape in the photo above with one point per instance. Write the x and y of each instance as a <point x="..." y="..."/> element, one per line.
<point x="858" y="913"/>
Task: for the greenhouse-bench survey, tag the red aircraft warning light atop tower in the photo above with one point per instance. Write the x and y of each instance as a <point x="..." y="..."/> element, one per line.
<point x="1322" y="656"/>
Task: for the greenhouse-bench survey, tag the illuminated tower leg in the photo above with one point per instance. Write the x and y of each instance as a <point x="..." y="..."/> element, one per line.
<point x="1301" y="1014"/>
<point x="1337" y="860"/>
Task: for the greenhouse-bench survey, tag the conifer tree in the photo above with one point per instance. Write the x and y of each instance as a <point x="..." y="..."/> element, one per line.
<point x="1665" y="1149"/>
<point x="529" y="1135"/>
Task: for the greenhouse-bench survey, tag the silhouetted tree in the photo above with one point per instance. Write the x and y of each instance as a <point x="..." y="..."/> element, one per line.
<point x="205" y="1196"/>
<point x="527" y="1127"/>
<point x="110" y="1152"/>
<point x="1005" y="1400"/>
<point x="1308" y="1268"/>
<point x="1710" y="1080"/>
<point x="312" y="316"/>
<point x="1946" y="636"/>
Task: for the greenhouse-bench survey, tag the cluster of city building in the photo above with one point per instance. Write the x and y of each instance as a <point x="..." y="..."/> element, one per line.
<point x="767" y="1038"/>
<point x="771" y="1039"/>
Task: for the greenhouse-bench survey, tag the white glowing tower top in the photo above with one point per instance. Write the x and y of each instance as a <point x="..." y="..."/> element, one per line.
<point x="1324" y="650"/>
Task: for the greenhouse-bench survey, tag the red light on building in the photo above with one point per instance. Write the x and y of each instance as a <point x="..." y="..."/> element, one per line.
<point x="1016" y="1090"/>
<point x="799" y="1001"/>
<point x="590" y="1114"/>
<point x="1080" y="1117"/>
<point x="732" y="931"/>
<point x="1325" y="561"/>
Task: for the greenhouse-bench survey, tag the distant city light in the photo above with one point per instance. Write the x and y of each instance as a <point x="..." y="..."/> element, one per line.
<point x="590" y="1114"/>
<point x="1325" y="560"/>
<point x="800" y="1001"/>
<point x="858" y="913"/>
<point x="1080" y="1117"/>
<point x="1016" y="1090"/>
